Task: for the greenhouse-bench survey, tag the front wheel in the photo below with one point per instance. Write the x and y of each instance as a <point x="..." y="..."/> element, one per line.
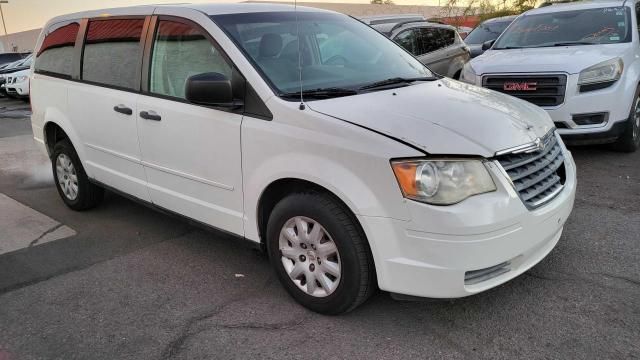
<point x="319" y="253"/>
<point x="629" y="141"/>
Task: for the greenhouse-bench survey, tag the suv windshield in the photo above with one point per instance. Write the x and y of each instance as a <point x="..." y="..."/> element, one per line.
<point x="610" y="25"/>
<point x="337" y="53"/>
<point x="486" y="32"/>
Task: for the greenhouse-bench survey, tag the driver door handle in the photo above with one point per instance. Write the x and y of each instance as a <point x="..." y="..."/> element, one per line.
<point x="150" y="115"/>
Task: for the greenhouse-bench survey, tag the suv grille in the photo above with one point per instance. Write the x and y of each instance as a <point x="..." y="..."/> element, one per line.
<point x="537" y="176"/>
<point x="542" y="90"/>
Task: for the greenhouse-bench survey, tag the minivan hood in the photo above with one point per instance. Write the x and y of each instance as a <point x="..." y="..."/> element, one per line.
<point x="567" y="59"/>
<point x="443" y="117"/>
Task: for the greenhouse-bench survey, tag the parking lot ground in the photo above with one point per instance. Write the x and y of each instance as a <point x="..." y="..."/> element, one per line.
<point x="133" y="283"/>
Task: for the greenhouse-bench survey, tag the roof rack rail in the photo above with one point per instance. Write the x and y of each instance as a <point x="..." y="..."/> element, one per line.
<point x="403" y="23"/>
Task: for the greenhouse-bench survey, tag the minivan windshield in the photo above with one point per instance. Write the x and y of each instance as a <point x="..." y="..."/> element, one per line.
<point x="610" y="25"/>
<point x="337" y="54"/>
<point x="486" y="31"/>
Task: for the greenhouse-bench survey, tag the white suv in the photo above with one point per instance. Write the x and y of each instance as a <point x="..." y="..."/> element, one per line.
<point x="579" y="61"/>
<point x="384" y="175"/>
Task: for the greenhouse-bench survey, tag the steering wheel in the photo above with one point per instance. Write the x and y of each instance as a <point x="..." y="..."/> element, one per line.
<point x="337" y="60"/>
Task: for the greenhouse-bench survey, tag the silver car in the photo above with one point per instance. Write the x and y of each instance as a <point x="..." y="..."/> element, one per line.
<point x="438" y="46"/>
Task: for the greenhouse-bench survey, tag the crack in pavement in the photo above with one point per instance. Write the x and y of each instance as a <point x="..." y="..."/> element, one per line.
<point x="176" y="345"/>
<point x="47" y="232"/>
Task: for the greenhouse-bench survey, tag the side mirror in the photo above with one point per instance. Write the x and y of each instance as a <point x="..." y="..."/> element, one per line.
<point x="487" y="44"/>
<point x="213" y="89"/>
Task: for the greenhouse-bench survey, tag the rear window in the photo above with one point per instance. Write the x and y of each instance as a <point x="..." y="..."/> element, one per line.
<point x="112" y="52"/>
<point x="55" y="56"/>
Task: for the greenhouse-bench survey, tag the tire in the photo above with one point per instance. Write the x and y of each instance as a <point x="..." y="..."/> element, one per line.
<point x="72" y="182"/>
<point x="356" y="280"/>
<point x="629" y="141"/>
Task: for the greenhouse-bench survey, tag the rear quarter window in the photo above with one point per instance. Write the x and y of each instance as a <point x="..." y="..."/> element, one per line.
<point x="55" y="55"/>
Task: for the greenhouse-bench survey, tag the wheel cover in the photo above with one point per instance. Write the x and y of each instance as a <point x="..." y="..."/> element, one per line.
<point x="636" y="122"/>
<point x="310" y="256"/>
<point x="67" y="177"/>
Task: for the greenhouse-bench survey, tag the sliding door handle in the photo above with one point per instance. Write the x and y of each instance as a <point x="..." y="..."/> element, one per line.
<point x="150" y="115"/>
<point x="122" y="109"/>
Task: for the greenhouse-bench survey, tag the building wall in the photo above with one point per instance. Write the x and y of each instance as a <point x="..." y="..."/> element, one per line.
<point x="23" y="41"/>
<point x="26" y="40"/>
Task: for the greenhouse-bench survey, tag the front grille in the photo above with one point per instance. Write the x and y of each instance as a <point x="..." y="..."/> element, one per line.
<point x="542" y="90"/>
<point x="539" y="175"/>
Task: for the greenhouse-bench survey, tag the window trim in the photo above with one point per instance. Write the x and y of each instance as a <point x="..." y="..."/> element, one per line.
<point x="142" y="41"/>
<point x="148" y="52"/>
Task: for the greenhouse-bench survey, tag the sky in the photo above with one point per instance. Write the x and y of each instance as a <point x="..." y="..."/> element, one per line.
<point x="20" y="15"/>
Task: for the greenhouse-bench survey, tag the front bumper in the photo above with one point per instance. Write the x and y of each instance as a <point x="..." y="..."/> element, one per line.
<point x="430" y="255"/>
<point x="18" y="89"/>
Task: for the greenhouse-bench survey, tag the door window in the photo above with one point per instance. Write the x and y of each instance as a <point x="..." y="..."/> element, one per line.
<point x="409" y="40"/>
<point x="433" y="39"/>
<point x="55" y="55"/>
<point x="112" y="52"/>
<point x="180" y="51"/>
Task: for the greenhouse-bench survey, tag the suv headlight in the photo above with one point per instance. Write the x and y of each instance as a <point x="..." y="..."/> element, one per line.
<point x="468" y="75"/>
<point x="21" y="78"/>
<point x="442" y="181"/>
<point x="607" y="71"/>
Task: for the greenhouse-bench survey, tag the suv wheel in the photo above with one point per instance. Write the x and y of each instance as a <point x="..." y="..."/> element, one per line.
<point x="319" y="253"/>
<point x="629" y="141"/>
<point x="72" y="182"/>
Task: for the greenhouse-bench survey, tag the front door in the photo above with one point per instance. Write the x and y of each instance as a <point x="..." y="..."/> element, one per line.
<point x="191" y="153"/>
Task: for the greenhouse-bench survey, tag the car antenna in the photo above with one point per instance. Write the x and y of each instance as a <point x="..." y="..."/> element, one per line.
<point x="295" y="10"/>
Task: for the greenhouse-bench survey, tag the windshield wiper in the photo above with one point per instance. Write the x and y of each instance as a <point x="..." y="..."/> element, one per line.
<point x="395" y="81"/>
<point x="320" y="93"/>
<point x="572" y="43"/>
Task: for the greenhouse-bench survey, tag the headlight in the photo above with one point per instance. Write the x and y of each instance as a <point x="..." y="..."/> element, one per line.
<point x="468" y="75"/>
<point x="21" y="78"/>
<point x="607" y="71"/>
<point x="442" y="182"/>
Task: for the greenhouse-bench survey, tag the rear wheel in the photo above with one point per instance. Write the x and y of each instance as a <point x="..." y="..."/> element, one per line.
<point x="72" y="182"/>
<point x="629" y="141"/>
<point x="319" y="253"/>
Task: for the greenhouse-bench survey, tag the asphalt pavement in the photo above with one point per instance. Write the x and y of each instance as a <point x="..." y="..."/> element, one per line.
<point x="127" y="282"/>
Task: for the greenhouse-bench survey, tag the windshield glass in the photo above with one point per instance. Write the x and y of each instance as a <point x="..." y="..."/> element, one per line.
<point x="609" y="25"/>
<point x="486" y="32"/>
<point x="336" y="51"/>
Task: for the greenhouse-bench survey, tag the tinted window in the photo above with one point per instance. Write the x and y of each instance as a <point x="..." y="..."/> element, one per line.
<point x="181" y="51"/>
<point x="435" y="39"/>
<point x="56" y="53"/>
<point x="610" y="25"/>
<point x="112" y="52"/>
<point x="486" y="32"/>
<point x="409" y="40"/>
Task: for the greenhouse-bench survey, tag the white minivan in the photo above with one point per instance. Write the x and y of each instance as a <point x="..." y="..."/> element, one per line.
<point x="309" y="134"/>
<point x="580" y="61"/>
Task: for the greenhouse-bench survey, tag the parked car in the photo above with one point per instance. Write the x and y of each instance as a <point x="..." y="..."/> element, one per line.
<point x="17" y="85"/>
<point x="488" y="30"/>
<point x="438" y="46"/>
<point x="8" y="69"/>
<point x="345" y="158"/>
<point x="580" y="62"/>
